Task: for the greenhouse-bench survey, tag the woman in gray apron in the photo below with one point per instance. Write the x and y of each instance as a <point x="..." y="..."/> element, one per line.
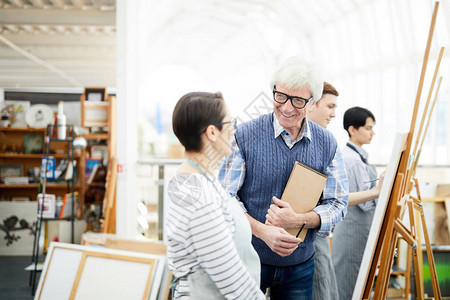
<point x="209" y="237"/>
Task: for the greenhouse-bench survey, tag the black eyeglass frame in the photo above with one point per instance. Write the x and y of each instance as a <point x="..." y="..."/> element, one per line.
<point x="290" y="98"/>
<point x="233" y="122"/>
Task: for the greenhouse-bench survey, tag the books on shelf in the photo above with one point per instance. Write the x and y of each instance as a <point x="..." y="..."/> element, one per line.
<point x="98" y="174"/>
<point x="47" y="205"/>
<point x="61" y="168"/>
<point x="66" y="208"/>
<point x="50" y="162"/>
<point x="90" y="164"/>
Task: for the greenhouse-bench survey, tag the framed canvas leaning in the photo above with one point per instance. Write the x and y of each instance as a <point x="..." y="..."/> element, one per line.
<point x="379" y="215"/>
<point x="84" y="272"/>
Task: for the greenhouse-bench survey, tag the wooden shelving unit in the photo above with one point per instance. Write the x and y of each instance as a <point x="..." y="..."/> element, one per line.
<point x="12" y="153"/>
<point x="94" y="116"/>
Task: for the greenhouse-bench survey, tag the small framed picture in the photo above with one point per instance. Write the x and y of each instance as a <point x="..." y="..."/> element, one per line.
<point x="10" y="170"/>
<point x="95" y="94"/>
<point x="33" y="143"/>
<point x="16" y="110"/>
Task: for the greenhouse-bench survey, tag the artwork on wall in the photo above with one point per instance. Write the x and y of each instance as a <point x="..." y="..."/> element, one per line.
<point x="17" y="226"/>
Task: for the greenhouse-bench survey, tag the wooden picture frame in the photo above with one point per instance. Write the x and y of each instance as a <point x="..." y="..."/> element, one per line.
<point x="94" y="107"/>
<point x="33" y="144"/>
<point x="16" y="110"/>
<point x="90" y="280"/>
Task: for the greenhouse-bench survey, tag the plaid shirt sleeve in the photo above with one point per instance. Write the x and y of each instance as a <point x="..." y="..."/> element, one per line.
<point x="333" y="204"/>
<point x="232" y="172"/>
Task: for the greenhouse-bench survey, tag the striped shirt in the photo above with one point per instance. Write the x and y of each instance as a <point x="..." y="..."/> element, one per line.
<point x="200" y="231"/>
<point x="333" y="203"/>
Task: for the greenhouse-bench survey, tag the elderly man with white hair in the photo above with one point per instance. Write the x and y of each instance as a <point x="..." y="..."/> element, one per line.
<point x="256" y="172"/>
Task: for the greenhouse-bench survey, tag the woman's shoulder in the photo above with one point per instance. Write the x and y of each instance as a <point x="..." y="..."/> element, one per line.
<point x="189" y="190"/>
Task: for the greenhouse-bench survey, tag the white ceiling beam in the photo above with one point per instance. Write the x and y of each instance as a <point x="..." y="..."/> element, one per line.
<point x="59" y="29"/>
<point x="38" y="3"/>
<point x="27" y="28"/>
<point x="12" y="28"/>
<point x="48" y="16"/>
<point x="58" y="3"/>
<point x="57" y="40"/>
<point x="37" y="60"/>
<point x="17" y="3"/>
<point x="78" y="3"/>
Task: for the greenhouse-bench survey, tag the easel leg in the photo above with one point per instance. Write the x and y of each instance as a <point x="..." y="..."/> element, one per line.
<point x="416" y="252"/>
<point x="434" y="281"/>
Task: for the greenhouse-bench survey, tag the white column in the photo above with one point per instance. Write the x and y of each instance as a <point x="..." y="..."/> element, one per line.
<point x="126" y="210"/>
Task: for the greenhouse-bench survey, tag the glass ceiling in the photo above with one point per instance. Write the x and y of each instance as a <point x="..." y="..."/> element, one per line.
<point x="370" y="50"/>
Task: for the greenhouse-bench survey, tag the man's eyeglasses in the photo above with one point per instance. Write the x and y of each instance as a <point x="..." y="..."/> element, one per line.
<point x="233" y="122"/>
<point x="296" y="102"/>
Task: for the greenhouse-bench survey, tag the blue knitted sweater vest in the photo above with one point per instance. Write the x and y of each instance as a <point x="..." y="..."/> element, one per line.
<point x="269" y="163"/>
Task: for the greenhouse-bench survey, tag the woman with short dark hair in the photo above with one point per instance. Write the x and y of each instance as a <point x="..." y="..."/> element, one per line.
<point x="209" y="238"/>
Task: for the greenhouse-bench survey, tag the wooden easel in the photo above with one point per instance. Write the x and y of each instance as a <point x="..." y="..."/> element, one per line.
<point x="412" y="237"/>
<point x="399" y="198"/>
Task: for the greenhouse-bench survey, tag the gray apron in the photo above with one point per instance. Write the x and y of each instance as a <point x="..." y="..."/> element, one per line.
<point x="200" y="284"/>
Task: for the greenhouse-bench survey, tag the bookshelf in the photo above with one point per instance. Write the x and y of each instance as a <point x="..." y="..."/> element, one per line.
<point x="13" y="156"/>
<point x="98" y="120"/>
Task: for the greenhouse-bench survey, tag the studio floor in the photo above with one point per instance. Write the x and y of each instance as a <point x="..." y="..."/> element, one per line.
<point x="14" y="280"/>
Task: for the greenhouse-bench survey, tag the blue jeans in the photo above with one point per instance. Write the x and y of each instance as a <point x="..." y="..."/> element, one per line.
<point x="293" y="282"/>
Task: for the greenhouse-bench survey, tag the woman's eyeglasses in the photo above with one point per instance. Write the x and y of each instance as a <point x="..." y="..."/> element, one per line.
<point x="233" y="122"/>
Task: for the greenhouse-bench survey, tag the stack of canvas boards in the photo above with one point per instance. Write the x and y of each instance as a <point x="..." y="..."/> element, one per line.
<point x="86" y="272"/>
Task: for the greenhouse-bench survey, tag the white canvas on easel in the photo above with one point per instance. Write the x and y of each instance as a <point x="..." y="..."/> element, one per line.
<point x="380" y="211"/>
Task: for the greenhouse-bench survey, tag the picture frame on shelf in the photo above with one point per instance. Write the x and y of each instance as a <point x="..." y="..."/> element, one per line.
<point x="95" y="114"/>
<point x="33" y="143"/>
<point x="95" y="94"/>
<point x="16" y="111"/>
<point x="10" y="170"/>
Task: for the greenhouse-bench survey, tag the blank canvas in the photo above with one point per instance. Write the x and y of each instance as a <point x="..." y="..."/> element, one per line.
<point x="378" y="217"/>
<point x="84" y="272"/>
<point x="114" y="278"/>
<point x="59" y="273"/>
